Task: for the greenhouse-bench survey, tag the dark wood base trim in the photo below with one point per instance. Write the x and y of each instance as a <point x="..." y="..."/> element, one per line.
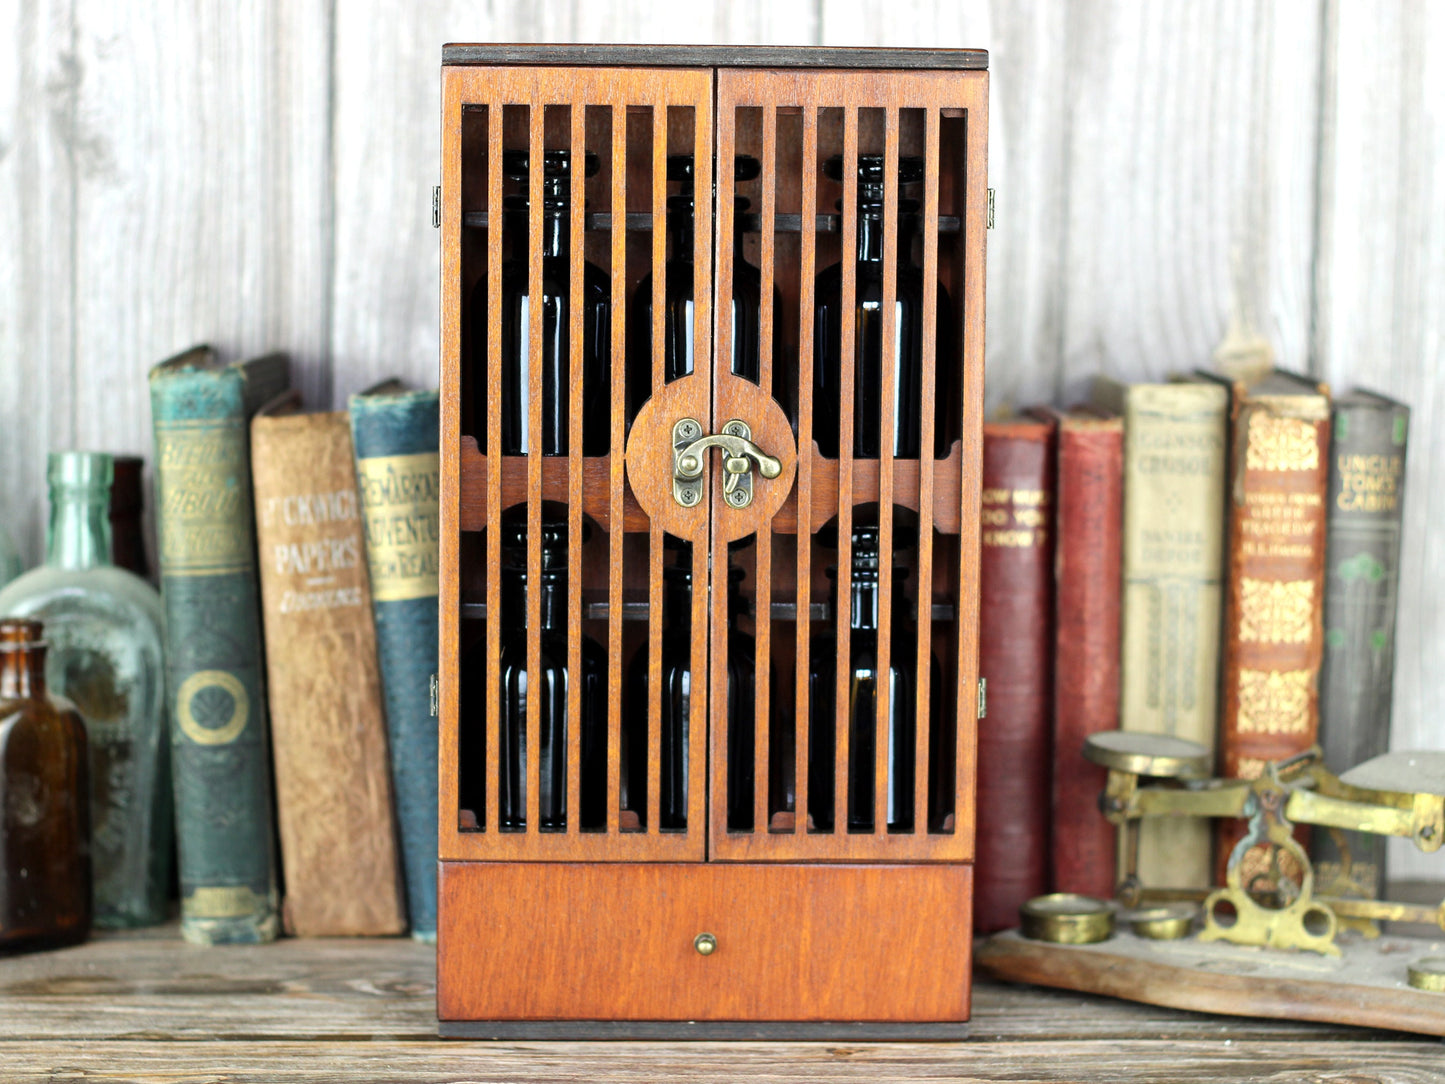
<point x="703" y="1031"/>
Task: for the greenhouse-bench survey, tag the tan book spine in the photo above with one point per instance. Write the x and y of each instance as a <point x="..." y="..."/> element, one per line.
<point x="333" y="782"/>
<point x="1174" y="468"/>
<point x="1273" y="620"/>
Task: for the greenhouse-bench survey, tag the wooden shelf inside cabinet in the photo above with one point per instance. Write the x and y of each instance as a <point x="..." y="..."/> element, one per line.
<point x="601" y="221"/>
<point x="669" y="789"/>
<point x="599" y="609"/>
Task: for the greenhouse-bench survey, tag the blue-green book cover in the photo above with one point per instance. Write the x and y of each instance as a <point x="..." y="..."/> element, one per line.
<point x="395" y="433"/>
<point x="214" y="667"/>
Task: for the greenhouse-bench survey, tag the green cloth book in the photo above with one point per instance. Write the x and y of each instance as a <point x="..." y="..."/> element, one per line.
<point x="214" y="665"/>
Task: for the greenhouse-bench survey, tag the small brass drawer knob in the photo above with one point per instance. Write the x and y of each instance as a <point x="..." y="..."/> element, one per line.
<point x="705" y="943"/>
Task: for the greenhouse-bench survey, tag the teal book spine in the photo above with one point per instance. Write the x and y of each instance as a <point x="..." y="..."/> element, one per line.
<point x="398" y="476"/>
<point x="220" y="752"/>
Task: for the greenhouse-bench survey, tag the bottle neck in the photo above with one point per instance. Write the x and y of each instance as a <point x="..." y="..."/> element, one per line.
<point x="22" y="672"/>
<point x="556" y="237"/>
<point x="864" y="609"/>
<point x="870" y="231"/>
<point x="80" y="533"/>
<point x="680" y="227"/>
<point x="553" y="600"/>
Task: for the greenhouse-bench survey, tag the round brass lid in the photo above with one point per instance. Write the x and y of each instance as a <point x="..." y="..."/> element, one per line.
<point x="1428" y="974"/>
<point x="1066" y="918"/>
<point x="1167" y="922"/>
<point x="1148" y="754"/>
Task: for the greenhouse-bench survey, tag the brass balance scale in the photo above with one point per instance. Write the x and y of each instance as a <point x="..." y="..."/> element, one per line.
<point x="1277" y="904"/>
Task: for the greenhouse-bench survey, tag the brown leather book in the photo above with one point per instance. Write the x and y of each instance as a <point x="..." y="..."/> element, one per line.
<point x="1274" y="602"/>
<point x="1016" y="574"/>
<point x="333" y="781"/>
<point x="1086" y="644"/>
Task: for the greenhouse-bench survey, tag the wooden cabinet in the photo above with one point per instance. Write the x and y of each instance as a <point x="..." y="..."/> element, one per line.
<point x="685" y="782"/>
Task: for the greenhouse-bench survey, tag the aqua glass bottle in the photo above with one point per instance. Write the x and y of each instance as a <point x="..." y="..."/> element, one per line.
<point x="104" y="629"/>
<point x="10" y="564"/>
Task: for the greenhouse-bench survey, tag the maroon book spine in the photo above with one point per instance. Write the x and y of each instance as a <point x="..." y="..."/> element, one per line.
<point x="1015" y="658"/>
<point x="1086" y="645"/>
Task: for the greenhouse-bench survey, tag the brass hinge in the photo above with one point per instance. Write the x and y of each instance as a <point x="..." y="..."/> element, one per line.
<point x="436" y="213"/>
<point x="990" y="208"/>
<point x="983" y="698"/>
<point x="433" y="696"/>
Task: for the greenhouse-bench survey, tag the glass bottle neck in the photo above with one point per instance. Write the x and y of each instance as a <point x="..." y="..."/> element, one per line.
<point x="553" y="601"/>
<point x="864" y="610"/>
<point x="79" y="534"/>
<point x="680" y="226"/>
<point x="870" y="232"/>
<point x="22" y="673"/>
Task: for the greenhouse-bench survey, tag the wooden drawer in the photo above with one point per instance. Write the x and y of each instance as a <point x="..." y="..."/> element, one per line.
<point x="577" y="941"/>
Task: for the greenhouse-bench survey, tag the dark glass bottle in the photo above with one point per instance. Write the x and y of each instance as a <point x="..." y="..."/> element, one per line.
<point x="45" y="894"/>
<point x="678" y="360"/>
<point x="550" y="685"/>
<point x="675" y="705"/>
<point x="559" y="398"/>
<point x="867" y="318"/>
<point x="864" y="701"/>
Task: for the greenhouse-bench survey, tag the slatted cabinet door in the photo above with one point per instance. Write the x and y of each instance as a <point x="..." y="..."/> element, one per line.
<point x="924" y="507"/>
<point x="631" y="119"/>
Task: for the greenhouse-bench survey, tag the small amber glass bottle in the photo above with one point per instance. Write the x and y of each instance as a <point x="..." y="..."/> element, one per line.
<point x="44" y="802"/>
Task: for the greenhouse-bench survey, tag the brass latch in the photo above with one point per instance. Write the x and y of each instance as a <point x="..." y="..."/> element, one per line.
<point x="689" y="456"/>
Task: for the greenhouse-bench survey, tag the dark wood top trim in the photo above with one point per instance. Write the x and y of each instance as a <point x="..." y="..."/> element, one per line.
<point x="713" y="56"/>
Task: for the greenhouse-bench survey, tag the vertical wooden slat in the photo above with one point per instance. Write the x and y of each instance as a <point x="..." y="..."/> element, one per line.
<point x="922" y="707"/>
<point x="763" y="570"/>
<point x="808" y="258"/>
<point x="494" y="461"/>
<point x="698" y="761"/>
<point x="722" y="179"/>
<point x="576" y="396"/>
<point x="974" y="238"/>
<point x="534" y="449"/>
<point x="615" y="447"/>
<point x="890" y="361"/>
<point x="847" y="373"/>
<point x="655" y="615"/>
<point x="450" y="722"/>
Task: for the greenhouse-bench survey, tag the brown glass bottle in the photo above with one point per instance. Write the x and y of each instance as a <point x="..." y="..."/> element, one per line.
<point x="559" y="398"/>
<point x="678" y="293"/>
<point x="45" y="895"/>
<point x="869" y="356"/>
<point x="867" y="696"/>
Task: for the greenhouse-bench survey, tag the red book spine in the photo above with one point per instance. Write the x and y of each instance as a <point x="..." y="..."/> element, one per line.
<point x="1015" y="658"/>
<point x="1086" y="646"/>
<point x="1273" y="617"/>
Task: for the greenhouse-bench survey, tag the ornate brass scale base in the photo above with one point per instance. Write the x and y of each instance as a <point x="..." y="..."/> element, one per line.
<point x="1399" y="794"/>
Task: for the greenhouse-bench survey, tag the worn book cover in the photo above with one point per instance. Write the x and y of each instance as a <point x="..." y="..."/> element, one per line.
<point x="220" y="759"/>
<point x="1362" y="577"/>
<point x="333" y="780"/>
<point x="1174" y="466"/>
<point x="1088" y="566"/>
<point x="1273" y="636"/>
<point x="395" y="433"/>
<point x="1016" y="576"/>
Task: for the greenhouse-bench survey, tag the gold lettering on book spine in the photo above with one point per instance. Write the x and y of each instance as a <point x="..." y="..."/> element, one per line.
<point x="400" y="496"/>
<point x="1275" y="611"/>
<point x="1274" y="701"/>
<point x="1280" y="444"/>
<point x="204" y="497"/>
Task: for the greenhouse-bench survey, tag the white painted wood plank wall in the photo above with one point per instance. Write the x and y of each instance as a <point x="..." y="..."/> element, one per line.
<point x="1174" y="180"/>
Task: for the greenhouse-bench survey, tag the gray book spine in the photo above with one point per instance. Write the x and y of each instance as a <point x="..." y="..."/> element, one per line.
<point x="1362" y="573"/>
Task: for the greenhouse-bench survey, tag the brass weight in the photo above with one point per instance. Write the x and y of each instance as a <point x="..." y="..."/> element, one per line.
<point x="1067" y="919"/>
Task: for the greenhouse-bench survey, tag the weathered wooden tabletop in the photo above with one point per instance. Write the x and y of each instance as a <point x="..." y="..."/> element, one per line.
<point x="145" y="1006"/>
